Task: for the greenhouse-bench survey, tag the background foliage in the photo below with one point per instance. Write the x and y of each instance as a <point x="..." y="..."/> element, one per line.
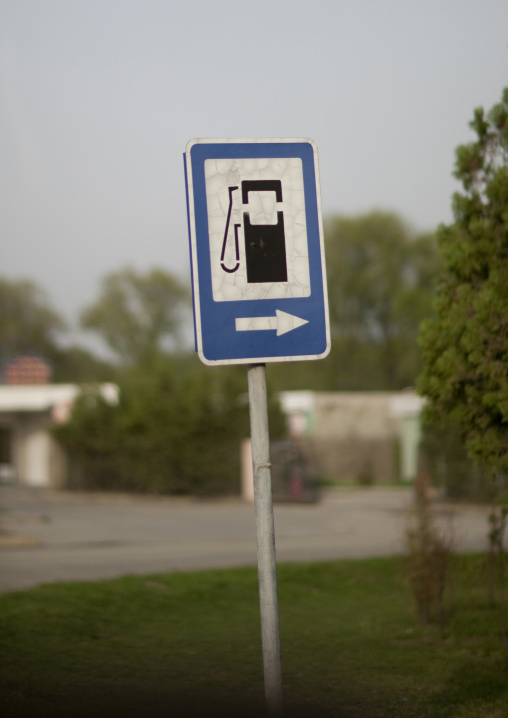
<point x="465" y="345"/>
<point x="138" y="315"/>
<point x="27" y="322"/>
<point x="178" y="425"/>
<point x="177" y="429"/>
<point x="380" y="288"/>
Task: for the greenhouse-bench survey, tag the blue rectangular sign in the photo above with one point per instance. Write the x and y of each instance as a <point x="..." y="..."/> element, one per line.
<point x="257" y="250"/>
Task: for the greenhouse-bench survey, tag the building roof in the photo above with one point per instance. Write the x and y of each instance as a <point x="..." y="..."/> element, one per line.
<point x="44" y="397"/>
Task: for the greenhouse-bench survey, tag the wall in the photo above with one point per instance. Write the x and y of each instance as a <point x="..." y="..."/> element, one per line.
<point x="36" y="458"/>
<point x="358" y="436"/>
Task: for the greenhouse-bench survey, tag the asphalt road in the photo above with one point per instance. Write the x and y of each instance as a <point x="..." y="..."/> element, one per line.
<point x="48" y="536"/>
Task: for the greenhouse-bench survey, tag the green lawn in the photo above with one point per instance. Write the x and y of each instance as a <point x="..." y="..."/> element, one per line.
<point x="187" y="644"/>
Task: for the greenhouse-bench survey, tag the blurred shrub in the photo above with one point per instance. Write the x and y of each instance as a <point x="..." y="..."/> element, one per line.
<point x="450" y="469"/>
<point x="176" y="429"/>
<point x="428" y="567"/>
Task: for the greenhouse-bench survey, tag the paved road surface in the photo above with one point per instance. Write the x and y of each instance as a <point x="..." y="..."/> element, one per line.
<point x="48" y="536"/>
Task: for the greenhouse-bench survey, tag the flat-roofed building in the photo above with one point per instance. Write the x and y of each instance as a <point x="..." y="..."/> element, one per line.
<point x="29" y="454"/>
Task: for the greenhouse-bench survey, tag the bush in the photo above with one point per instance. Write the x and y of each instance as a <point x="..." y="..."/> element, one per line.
<point x="450" y="469"/>
<point x="429" y="554"/>
<point x="176" y="429"/>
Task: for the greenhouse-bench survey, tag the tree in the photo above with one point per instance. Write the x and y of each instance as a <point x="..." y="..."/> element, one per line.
<point x="176" y="429"/>
<point x="465" y="346"/>
<point x="76" y="364"/>
<point x="380" y="288"/>
<point x="137" y="314"/>
<point x="27" y="322"/>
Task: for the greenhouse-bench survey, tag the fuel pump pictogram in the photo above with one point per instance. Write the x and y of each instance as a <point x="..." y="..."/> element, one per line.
<point x="265" y="244"/>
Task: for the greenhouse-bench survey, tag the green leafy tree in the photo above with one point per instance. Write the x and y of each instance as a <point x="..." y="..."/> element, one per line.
<point x="77" y="364"/>
<point x="177" y="429"/>
<point x="27" y="322"/>
<point x="380" y="288"/>
<point x="465" y="346"/>
<point x="137" y="315"/>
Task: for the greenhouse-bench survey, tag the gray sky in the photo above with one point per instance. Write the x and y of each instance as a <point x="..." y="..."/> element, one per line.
<point x="98" y="99"/>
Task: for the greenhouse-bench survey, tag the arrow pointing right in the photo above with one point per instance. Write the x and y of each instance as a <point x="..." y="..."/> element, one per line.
<point x="282" y="322"/>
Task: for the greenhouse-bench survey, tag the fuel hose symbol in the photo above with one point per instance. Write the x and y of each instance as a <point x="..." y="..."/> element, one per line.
<point x="230" y="270"/>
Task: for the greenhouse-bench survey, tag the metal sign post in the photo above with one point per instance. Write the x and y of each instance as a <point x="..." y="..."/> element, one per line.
<point x="259" y="291"/>
<point x="265" y="536"/>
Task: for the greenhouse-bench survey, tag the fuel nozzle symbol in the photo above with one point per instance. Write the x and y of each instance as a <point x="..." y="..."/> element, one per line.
<point x="225" y="241"/>
<point x="265" y="244"/>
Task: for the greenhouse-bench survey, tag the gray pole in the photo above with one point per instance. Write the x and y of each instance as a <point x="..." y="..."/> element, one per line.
<point x="265" y="533"/>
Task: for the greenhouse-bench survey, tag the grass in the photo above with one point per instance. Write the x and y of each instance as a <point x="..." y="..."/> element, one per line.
<point x="188" y="645"/>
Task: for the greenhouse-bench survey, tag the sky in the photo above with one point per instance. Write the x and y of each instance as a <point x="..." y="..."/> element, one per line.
<point x="98" y="99"/>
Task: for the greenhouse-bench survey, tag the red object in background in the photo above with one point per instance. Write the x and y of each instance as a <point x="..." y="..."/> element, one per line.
<point x="27" y="369"/>
<point x="296" y="487"/>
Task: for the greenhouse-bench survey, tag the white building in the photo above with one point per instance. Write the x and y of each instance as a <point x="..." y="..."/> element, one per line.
<point x="374" y="435"/>
<point x="28" y="453"/>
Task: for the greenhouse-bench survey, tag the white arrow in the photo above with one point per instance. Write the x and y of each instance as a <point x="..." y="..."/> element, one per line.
<point x="282" y="322"/>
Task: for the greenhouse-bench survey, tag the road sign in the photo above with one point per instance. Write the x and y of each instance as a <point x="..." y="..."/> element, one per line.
<point x="257" y="252"/>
